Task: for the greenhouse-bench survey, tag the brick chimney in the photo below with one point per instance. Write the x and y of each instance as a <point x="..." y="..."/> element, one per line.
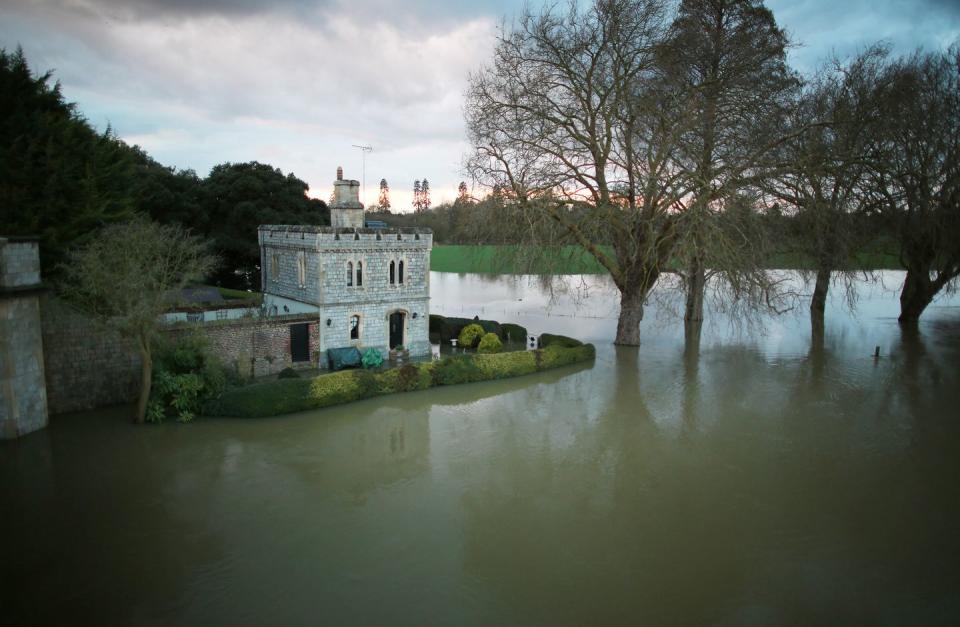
<point x="346" y="210"/>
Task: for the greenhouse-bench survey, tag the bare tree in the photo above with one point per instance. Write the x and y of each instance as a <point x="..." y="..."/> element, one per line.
<point x="823" y="175"/>
<point x="125" y="276"/>
<point x="573" y="125"/>
<point x="917" y="172"/>
<point x="727" y="59"/>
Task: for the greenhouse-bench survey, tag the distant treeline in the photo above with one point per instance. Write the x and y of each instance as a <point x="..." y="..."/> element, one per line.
<point x="60" y="180"/>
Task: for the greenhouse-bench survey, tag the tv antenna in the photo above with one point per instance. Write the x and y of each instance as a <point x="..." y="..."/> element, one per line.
<point x="363" y="170"/>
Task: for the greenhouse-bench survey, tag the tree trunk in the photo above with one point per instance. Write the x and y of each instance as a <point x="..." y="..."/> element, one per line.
<point x="696" y="286"/>
<point x="818" y="305"/>
<point x="916" y="295"/>
<point x="146" y="377"/>
<point x="631" y="313"/>
<point x="819" y="301"/>
<point x="692" y="331"/>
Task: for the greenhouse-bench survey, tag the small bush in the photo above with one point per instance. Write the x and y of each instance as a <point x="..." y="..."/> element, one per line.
<point x="513" y="333"/>
<point x="490" y="343"/>
<point x="453" y="370"/>
<point x="470" y="336"/>
<point x="547" y="339"/>
<point x="288" y="373"/>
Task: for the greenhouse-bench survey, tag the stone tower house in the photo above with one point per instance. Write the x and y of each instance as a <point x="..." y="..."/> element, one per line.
<point x="369" y="287"/>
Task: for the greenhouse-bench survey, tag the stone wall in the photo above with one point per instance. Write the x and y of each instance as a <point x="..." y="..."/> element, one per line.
<point x="23" y="397"/>
<point x="88" y="365"/>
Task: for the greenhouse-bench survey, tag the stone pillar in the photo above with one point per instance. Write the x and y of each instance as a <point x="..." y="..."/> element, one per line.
<point x="23" y="392"/>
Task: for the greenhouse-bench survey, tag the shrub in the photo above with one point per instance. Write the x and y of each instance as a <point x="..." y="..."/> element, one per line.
<point x="185" y="375"/>
<point x="504" y="365"/>
<point x="547" y="339"/>
<point x="338" y="387"/>
<point x="407" y="378"/>
<point x="470" y="336"/>
<point x="371" y="358"/>
<point x="513" y="333"/>
<point x="453" y="370"/>
<point x="490" y="343"/>
<point x="269" y="398"/>
<point x="288" y="373"/>
<point x="555" y="356"/>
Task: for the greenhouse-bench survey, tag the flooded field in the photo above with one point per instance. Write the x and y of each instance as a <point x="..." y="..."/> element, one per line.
<point x="760" y="480"/>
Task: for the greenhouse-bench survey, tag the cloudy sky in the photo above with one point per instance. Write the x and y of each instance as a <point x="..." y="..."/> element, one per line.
<point x="295" y="83"/>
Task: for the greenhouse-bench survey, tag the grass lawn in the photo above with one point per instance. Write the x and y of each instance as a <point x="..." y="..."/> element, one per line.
<point x="486" y="259"/>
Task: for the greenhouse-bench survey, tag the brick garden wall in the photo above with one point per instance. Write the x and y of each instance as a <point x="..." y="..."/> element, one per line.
<point x="88" y="366"/>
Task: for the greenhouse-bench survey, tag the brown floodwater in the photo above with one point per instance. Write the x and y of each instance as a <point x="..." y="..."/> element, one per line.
<point x="761" y="481"/>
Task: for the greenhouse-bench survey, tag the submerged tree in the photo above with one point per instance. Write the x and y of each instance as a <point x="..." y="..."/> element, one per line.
<point x="125" y="278"/>
<point x="916" y="172"/>
<point x="726" y="59"/>
<point x="823" y="175"/>
<point x="573" y="124"/>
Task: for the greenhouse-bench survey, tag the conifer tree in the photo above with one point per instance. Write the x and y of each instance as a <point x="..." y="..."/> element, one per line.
<point x="383" y="204"/>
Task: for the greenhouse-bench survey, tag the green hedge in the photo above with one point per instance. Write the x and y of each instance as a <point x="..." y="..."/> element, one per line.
<point x="548" y="339"/>
<point x="283" y="396"/>
<point x="516" y="332"/>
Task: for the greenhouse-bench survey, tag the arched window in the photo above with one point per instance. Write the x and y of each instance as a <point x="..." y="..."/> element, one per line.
<point x="349" y="274"/>
<point x="400" y="273"/>
<point x="301" y="270"/>
<point x="393" y="272"/>
<point x="359" y="274"/>
<point x="354" y="327"/>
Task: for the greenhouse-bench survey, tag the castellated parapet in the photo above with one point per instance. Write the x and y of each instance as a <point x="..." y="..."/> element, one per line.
<point x="370" y="287"/>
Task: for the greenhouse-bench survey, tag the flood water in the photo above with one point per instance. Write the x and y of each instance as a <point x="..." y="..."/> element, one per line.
<point x="759" y="482"/>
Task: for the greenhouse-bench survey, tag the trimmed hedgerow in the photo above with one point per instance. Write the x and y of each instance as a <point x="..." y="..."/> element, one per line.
<point x="290" y="395"/>
<point x="490" y="343"/>
<point x="506" y="365"/>
<point x="513" y="332"/>
<point x="548" y="339"/>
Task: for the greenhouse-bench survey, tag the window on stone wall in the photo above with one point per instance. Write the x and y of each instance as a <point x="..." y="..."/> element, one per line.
<point x="400" y="273"/>
<point x="393" y="273"/>
<point x="354" y="327"/>
<point x="359" y="274"/>
<point x="275" y="267"/>
<point x="349" y="274"/>
<point x="301" y="270"/>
